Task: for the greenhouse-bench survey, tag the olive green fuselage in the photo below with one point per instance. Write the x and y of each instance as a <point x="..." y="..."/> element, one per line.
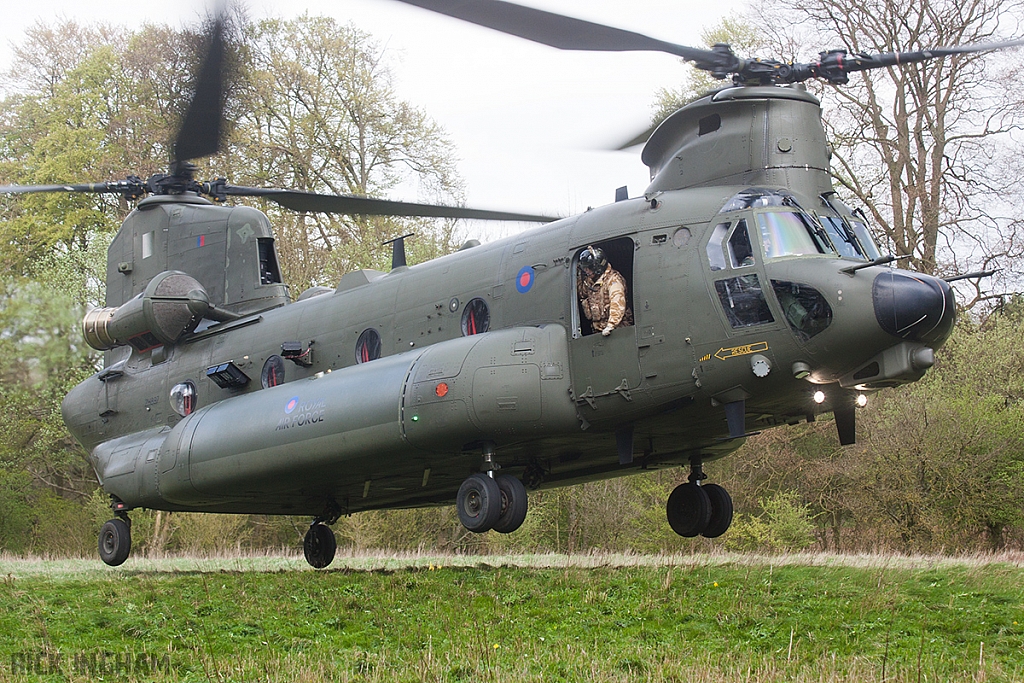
<point x="560" y="405"/>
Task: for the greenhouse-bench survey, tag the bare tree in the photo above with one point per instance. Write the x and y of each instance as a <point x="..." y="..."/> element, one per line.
<point x="925" y="147"/>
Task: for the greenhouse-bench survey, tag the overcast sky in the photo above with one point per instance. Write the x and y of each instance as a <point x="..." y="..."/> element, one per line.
<point x="529" y="122"/>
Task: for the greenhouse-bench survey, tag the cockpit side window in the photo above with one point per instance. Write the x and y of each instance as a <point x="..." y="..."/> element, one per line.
<point x="744" y="301"/>
<point x="740" y="252"/>
<point x="716" y="257"/>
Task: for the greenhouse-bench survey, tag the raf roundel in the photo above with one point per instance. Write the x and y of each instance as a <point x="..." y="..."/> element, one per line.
<point x="524" y="280"/>
<point x="290" y="406"/>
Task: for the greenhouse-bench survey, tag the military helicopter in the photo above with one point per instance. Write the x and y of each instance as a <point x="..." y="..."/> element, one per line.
<point x="758" y="298"/>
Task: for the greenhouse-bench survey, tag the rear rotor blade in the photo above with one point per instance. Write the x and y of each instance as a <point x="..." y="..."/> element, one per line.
<point x="200" y="131"/>
<point x="565" y="33"/>
<point x="353" y="205"/>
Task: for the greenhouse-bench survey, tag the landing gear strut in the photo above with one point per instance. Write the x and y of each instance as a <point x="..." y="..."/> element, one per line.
<point x="486" y="501"/>
<point x="116" y="540"/>
<point x="695" y="510"/>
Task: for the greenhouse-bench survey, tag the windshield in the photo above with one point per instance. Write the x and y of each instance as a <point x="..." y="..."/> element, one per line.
<point x="842" y="239"/>
<point x="864" y="236"/>
<point x="785" y="233"/>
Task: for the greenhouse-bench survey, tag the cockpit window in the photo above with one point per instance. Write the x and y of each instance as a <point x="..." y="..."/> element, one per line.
<point x="743" y="301"/>
<point x="716" y="257"/>
<point x="806" y="310"/>
<point x="866" y="241"/>
<point x="842" y="239"/>
<point x="740" y="251"/>
<point x="758" y="197"/>
<point x="786" y="233"/>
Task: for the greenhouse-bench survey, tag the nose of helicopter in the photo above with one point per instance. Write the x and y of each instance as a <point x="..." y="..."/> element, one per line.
<point x="914" y="307"/>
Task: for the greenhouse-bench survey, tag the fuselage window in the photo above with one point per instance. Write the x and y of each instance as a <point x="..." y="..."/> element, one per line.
<point x="740" y="251"/>
<point x="273" y="372"/>
<point x="476" y="318"/>
<point x="743" y="301"/>
<point x="368" y="346"/>
<point x="786" y="233"/>
<point x="806" y="310"/>
<point x="715" y="255"/>
<point x="183" y="398"/>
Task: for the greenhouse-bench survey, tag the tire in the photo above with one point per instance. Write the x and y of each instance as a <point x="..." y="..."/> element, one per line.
<point x="514" y="504"/>
<point x="721" y="511"/>
<point x="689" y="510"/>
<point x="479" y="503"/>
<point x="319" y="546"/>
<point x="115" y="542"/>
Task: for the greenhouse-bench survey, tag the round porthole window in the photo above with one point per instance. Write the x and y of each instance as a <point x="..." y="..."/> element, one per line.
<point x="273" y="372"/>
<point x="368" y="346"/>
<point x="476" y="319"/>
<point x="183" y="398"/>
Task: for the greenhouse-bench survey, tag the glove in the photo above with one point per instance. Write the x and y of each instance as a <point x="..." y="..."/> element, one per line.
<point x="607" y="330"/>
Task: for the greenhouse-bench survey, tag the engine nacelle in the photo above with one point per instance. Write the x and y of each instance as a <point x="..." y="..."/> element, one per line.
<point x="170" y="307"/>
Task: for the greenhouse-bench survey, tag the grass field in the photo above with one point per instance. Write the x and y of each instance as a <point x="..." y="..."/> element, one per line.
<point x="537" y="618"/>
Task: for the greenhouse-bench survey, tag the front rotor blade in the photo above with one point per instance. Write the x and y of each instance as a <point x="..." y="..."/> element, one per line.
<point x="200" y="132"/>
<point x="556" y="30"/>
<point x="864" y="62"/>
<point x="352" y="205"/>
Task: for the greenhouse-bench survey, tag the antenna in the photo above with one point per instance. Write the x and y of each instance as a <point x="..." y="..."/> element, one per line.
<point x="397" y="250"/>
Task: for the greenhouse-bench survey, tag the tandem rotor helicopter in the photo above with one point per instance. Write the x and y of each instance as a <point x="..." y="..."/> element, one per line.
<point x="758" y="298"/>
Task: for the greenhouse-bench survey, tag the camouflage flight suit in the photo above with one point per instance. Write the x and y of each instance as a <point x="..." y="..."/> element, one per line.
<point x="604" y="301"/>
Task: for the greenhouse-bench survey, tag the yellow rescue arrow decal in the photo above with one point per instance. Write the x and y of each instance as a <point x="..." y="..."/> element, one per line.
<point x="746" y="350"/>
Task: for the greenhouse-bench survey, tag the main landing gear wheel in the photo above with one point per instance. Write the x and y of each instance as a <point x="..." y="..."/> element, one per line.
<point x="115" y="542"/>
<point x="688" y="509"/>
<point x="721" y="510"/>
<point x="319" y="545"/>
<point x="479" y="503"/>
<point x="513" y="504"/>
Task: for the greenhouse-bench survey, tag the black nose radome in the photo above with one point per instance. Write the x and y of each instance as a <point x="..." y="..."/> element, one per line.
<point x="915" y="307"/>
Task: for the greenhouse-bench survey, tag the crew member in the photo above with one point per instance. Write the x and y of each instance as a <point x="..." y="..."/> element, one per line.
<point x="602" y="292"/>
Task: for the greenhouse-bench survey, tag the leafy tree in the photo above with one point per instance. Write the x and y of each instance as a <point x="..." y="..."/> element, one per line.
<point x="319" y="113"/>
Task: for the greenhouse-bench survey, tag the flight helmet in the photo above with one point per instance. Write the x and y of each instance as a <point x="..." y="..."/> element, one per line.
<point x="593" y="260"/>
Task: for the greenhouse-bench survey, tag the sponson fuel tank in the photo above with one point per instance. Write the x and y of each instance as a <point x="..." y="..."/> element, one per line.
<point x="501" y="386"/>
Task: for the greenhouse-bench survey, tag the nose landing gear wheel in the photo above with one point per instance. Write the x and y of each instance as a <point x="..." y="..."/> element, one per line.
<point x="721" y="511"/>
<point x="479" y="503"/>
<point x="115" y="542"/>
<point x="319" y="545"/>
<point x="513" y="504"/>
<point x="688" y="509"/>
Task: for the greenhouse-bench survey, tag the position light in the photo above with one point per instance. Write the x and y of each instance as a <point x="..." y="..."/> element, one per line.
<point x="862" y="400"/>
<point x="819" y="396"/>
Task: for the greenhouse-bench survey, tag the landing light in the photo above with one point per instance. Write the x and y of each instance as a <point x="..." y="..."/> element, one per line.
<point x="801" y="370"/>
<point x="862" y="400"/>
<point x="819" y="396"/>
